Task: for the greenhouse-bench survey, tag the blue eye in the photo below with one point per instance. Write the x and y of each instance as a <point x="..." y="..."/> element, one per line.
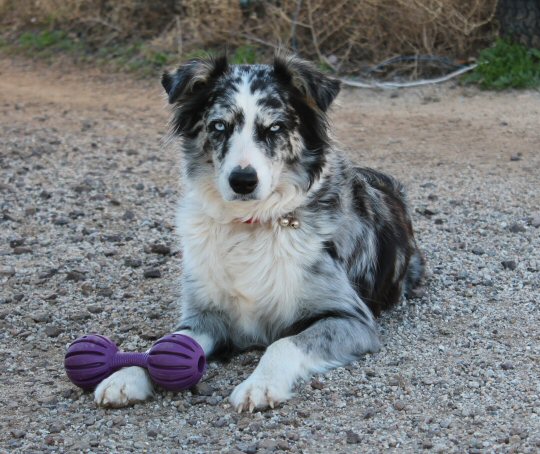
<point x="219" y="126"/>
<point x="275" y="127"/>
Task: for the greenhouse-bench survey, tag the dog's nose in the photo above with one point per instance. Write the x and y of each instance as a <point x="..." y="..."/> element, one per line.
<point x="243" y="181"/>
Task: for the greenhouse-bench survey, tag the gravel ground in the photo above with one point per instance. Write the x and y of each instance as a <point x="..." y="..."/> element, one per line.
<point x="87" y="194"/>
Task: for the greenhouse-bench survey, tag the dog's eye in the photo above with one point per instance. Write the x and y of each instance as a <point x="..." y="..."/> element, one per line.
<point x="275" y="127"/>
<point x="219" y="126"/>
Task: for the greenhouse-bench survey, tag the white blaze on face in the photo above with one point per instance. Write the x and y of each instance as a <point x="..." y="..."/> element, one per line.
<point x="243" y="149"/>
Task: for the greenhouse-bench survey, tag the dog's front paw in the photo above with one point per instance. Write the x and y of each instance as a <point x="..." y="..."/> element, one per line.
<point x="259" y="392"/>
<point x="125" y="387"/>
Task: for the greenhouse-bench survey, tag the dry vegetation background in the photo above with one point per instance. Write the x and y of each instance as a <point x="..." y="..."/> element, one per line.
<point x="343" y="34"/>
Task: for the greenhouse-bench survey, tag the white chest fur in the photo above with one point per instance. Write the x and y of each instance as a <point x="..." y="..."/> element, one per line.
<point x="253" y="272"/>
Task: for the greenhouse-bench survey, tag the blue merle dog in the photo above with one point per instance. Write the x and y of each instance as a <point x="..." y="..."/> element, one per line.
<point x="286" y="244"/>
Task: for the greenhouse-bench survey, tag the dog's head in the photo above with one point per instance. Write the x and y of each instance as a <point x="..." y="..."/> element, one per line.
<point x="251" y="128"/>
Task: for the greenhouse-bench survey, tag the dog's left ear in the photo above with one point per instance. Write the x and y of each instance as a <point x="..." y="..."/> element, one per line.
<point x="313" y="84"/>
<point x="192" y="76"/>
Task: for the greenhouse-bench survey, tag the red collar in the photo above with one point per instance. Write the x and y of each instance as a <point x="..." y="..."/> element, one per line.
<point x="251" y="221"/>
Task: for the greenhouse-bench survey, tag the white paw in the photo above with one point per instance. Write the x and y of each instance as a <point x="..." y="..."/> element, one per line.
<point x="259" y="392"/>
<point x="123" y="388"/>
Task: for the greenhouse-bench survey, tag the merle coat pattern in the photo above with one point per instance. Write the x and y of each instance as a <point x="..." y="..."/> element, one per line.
<point x="255" y="149"/>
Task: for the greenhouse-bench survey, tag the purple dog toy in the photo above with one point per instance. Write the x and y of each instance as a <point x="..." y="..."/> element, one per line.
<point x="175" y="362"/>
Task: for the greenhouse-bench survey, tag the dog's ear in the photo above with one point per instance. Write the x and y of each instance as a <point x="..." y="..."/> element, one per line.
<point x="192" y="76"/>
<point x="319" y="89"/>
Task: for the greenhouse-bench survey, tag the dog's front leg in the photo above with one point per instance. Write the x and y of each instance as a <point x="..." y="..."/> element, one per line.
<point x="132" y="384"/>
<point x="328" y="343"/>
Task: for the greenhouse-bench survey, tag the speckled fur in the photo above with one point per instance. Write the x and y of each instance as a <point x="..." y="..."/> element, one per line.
<point x="309" y="294"/>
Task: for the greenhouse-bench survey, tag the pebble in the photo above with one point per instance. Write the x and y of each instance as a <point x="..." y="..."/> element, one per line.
<point x="269" y="445"/>
<point x="152" y="273"/>
<point x="478" y="251"/>
<point x="133" y="262"/>
<point x="16" y="433"/>
<point x="517" y="228"/>
<point x="535" y="221"/>
<point x="316" y="384"/>
<point x="53" y="331"/>
<point x="94" y="308"/>
<point x="203" y="389"/>
<point x="516" y="157"/>
<point x="61" y="220"/>
<point x="19" y="250"/>
<point x="128" y="215"/>
<point x="509" y="264"/>
<point x="352" y="438"/>
<point x="75" y="276"/>
<point x="158" y="248"/>
<point x="40" y="317"/>
<point x="8" y="271"/>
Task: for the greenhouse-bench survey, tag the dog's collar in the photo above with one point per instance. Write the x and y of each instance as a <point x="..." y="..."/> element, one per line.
<point x="289" y="220"/>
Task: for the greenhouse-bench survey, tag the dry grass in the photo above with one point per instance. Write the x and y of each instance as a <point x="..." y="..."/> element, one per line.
<point x="343" y="34"/>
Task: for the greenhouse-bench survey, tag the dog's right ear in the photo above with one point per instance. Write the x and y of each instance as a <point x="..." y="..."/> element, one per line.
<point x="192" y="76"/>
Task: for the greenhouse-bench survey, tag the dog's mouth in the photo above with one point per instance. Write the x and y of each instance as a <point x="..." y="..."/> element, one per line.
<point x="243" y="198"/>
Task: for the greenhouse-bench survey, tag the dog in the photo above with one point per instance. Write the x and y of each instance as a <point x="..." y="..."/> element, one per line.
<point x="286" y="244"/>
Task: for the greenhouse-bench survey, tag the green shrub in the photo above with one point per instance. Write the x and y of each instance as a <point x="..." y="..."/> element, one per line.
<point x="507" y="65"/>
<point x="47" y="40"/>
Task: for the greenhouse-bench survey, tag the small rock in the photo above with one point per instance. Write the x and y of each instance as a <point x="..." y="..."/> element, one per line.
<point x="7" y="271"/>
<point x="56" y="427"/>
<point x="221" y="422"/>
<point x="535" y="221"/>
<point x="478" y="251"/>
<point x="94" y="308"/>
<point x="203" y="389"/>
<point x="133" y="263"/>
<point x="352" y="437"/>
<point x="162" y="249"/>
<point x="119" y="421"/>
<point x="16" y="433"/>
<point x="509" y="264"/>
<point x="113" y="238"/>
<point x="399" y="405"/>
<point x="507" y="365"/>
<point x="14" y="242"/>
<point x="516" y="228"/>
<point x="369" y="413"/>
<point x="152" y="433"/>
<point x="53" y="331"/>
<point x="516" y="156"/>
<point x="427" y="444"/>
<point x="105" y="292"/>
<point x="139" y="186"/>
<point x="269" y="445"/>
<point x="61" y="220"/>
<point x="87" y="289"/>
<point x="427" y="211"/>
<point x="22" y="250"/>
<point x="75" y="276"/>
<point x="152" y="273"/>
<point x="128" y="215"/>
<point x="283" y="445"/>
<point x="40" y="317"/>
<point x="316" y="384"/>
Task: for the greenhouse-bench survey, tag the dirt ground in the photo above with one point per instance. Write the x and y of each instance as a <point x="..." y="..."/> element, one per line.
<point x="87" y="190"/>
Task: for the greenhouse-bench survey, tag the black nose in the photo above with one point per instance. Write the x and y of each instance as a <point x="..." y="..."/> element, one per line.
<point x="243" y="181"/>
